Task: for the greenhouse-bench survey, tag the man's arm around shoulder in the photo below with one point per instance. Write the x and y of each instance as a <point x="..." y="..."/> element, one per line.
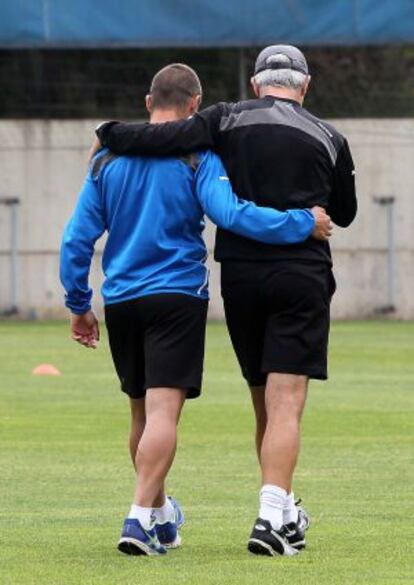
<point x="245" y="218"/>
<point x="169" y="138"/>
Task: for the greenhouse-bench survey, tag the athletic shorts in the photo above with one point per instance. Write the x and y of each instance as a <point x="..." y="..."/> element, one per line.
<point x="158" y="341"/>
<point x="278" y="318"/>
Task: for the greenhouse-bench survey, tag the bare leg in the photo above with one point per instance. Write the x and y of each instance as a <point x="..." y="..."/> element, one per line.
<point x="259" y="406"/>
<point x="285" y="398"/>
<point x="138" y="420"/>
<point x="157" y="446"/>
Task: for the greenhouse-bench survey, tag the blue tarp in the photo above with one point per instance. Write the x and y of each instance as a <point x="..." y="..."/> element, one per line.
<point x="203" y="23"/>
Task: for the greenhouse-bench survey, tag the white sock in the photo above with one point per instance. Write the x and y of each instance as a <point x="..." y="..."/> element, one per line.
<point x="272" y="503"/>
<point x="166" y="513"/>
<point x="290" y="511"/>
<point x="145" y="516"/>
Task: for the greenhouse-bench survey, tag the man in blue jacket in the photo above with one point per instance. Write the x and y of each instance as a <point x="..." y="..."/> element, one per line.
<point x="156" y="287"/>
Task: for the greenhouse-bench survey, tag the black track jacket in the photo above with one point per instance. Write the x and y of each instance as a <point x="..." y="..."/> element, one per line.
<point x="276" y="153"/>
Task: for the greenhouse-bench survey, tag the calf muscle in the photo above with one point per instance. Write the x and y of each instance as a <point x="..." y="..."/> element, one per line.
<point x="285" y="397"/>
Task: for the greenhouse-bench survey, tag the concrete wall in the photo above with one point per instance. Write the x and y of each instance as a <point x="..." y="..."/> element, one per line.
<point x="44" y="163"/>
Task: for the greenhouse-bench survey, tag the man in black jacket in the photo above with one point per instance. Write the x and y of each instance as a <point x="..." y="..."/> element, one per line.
<point x="276" y="298"/>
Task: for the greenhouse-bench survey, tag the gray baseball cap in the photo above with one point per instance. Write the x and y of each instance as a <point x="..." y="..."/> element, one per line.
<point x="281" y="57"/>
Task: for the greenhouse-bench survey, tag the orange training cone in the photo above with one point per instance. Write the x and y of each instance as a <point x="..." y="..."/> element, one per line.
<point x="45" y="370"/>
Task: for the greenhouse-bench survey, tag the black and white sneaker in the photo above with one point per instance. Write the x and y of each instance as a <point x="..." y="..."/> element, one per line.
<point x="264" y="540"/>
<point x="295" y="536"/>
<point x="295" y="532"/>
<point x="303" y="516"/>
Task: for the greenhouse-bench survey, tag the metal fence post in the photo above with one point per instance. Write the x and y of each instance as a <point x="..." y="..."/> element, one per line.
<point x="13" y="203"/>
<point x="387" y="202"/>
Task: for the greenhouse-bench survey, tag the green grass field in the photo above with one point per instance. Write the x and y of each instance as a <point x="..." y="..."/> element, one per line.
<point x="66" y="481"/>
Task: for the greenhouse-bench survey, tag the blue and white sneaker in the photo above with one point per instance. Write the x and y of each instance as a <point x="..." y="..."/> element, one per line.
<point x="168" y="533"/>
<point x="135" y="540"/>
<point x="179" y="514"/>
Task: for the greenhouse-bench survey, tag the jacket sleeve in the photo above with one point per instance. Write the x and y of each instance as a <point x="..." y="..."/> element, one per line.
<point x="169" y="138"/>
<point x="343" y="202"/>
<point x="84" y="228"/>
<point x="244" y="218"/>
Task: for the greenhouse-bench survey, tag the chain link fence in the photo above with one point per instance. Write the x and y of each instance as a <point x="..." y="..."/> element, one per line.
<point x="346" y="82"/>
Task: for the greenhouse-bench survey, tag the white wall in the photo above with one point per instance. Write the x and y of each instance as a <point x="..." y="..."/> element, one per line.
<point x="44" y="163"/>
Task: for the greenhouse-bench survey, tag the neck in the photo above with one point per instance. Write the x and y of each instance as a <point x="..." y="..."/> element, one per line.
<point x="159" y="116"/>
<point x="282" y="92"/>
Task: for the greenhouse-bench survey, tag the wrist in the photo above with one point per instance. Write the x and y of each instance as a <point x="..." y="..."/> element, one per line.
<point x="79" y="312"/>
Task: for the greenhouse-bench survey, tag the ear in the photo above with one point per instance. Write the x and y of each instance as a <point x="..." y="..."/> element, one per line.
<point x="254" y="87"/>
<point x="148" y="103"/>
<point x="193" y="104"/>
<point x="305" y="87"/>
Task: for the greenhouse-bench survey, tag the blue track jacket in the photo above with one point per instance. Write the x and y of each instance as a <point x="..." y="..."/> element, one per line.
<point x="153" y="209"/>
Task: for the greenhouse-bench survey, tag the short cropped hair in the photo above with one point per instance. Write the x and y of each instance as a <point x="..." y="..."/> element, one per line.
<point x="280" y="78"/>
<point x="173" y="85"/>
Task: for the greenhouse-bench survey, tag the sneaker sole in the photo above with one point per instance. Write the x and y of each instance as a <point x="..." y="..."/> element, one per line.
<point x="259" y="547"/>
<point x="298" y="545"/>
<point x="131" y="546"/>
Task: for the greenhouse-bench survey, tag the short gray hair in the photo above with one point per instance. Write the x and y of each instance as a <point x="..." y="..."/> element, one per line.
<point x="281" y="78"/>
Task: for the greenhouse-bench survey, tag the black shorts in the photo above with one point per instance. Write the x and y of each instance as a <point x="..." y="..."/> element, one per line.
<point x="278" y="317"/>
<point x="157" y="341"/>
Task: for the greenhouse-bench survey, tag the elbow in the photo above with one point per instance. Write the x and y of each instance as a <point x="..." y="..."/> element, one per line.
<point x="226" y="221"/>
<point x="343" y="223"/>
<point x="345" y="218"/>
